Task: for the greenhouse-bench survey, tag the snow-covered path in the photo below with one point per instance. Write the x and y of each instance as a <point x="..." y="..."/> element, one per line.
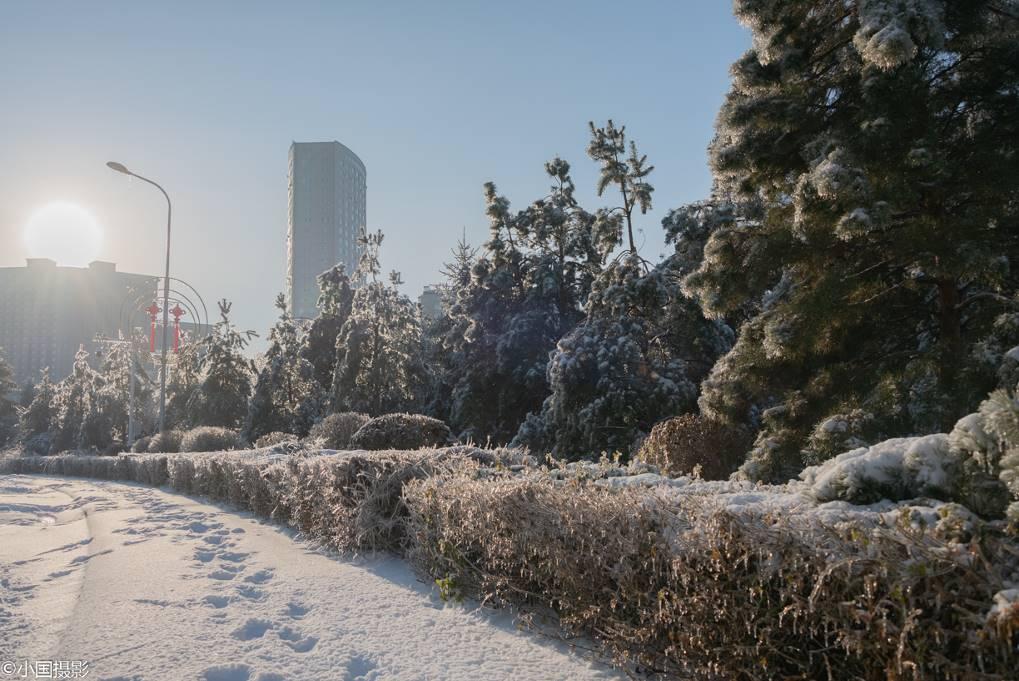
<point x="146" y="584"/>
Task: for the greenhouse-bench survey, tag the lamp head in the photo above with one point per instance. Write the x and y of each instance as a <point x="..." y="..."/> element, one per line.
<point x="119" y="167"/>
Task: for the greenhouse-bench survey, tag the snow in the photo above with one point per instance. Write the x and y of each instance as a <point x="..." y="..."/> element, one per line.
<point x="1006" y="603"/>
<point x="143" y="583"/>
<point x="900" y="467"/>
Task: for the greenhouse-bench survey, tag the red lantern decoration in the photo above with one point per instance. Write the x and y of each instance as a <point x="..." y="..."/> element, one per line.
<point x="153" y="310"/>
<point x="177" y="313"/>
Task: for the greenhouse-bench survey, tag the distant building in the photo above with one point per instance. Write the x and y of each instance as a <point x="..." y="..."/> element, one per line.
<point x="47" y="312"/>
<point x="326" y="212"/>
<point x="431" y="303"/>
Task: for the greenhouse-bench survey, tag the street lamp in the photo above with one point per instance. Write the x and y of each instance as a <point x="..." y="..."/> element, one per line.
<point x="121" y="168"/>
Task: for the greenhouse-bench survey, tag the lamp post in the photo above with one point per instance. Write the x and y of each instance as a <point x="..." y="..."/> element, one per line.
<point x="121" y="168"/>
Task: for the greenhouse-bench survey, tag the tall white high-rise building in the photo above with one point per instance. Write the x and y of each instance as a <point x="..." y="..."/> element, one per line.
<point x="326" y="212"/>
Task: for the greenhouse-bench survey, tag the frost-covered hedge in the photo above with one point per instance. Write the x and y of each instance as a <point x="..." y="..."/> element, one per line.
<point x="210" y="439"/>
<point x="690" y="587"/>
<point x="167" y="442"/>
<point x="684" y="443"/>
<point x="350" y="500"/>
<point x="401" y="431"/>
<point x="684" y="578"/>
<point x="335" y="430"/>
<point x="275" y="438"/>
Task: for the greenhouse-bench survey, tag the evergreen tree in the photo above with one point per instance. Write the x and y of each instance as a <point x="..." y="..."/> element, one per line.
<point x="183" y="382"/>
<point x="287" y="397"/>
<point x="119" y="363"/>
<point x="80" y="420"/>
<point x="878" y="140"/>
<point x="335" y="298"/>
<point x="27" y="394"/>
<point x="379" y="365"/>
<point x="526" y="291"/>
<point x="8" y="412"/>
<point x="222" y="395"/>
<point x="38" y="416"/>
<point x="642" y="347"/>
<point x="440" y="339"/>
<point x="627" y="173"/>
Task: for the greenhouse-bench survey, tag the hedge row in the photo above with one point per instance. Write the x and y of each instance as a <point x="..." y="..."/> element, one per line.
<point x="673" y="583"/>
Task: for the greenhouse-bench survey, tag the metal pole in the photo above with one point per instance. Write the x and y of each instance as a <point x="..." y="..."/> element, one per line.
<point x="130" y="403"/>
<point x="166" y="318"/>
<point x="120" y="168"/>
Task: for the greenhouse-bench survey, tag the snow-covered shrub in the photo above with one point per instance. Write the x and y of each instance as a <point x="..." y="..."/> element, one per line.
<point x="839" y="433"/>
<point x="144" y="468"/>
<point x="701" y="579"/>
<point x="694" y="588"/>
<point x="355" y="501"/>
<point x="681" y="444"/>
<point x="335" y="430"/>
<point x="275" y="438"/>
<point x="977" y="464"/>
<point x="167" y="442"/>
<point x="1003" y="617"/>
<point x="900" y="468"/>
<point x="141" y="444"/>
<point x="38" y="444"/>
<point x="998" y="449"/>
<point x="210" y="439"/>
<point x="401" y="431"/>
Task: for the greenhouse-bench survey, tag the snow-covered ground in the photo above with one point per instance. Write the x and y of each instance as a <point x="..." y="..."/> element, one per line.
<point x="146" y="584"/>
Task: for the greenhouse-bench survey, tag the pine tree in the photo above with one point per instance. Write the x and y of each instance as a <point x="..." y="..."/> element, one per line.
<point x="38" y="416"/>
<point x="222" y="395"/>
<point x="335" y="298"/>
<point x="879" y="141"/>
<point x="26" y="394"/>
<point x="379" y="365"/>
<point x="183" y="383"/>
<point x="287" y="397"/>
<point x="119" y="363"/>
<point x="627" y="173"/>
<point x="526" y="291"/>
<point x="642" y="347"/>
<point x="443" y="358"/>
<point x="80" y="421"/>
<point x="8" y="412"/>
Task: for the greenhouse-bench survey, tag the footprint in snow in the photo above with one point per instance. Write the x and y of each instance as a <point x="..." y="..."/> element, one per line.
<point x="227" y="672"/>
<point x="260" y="577"/>
<point x="216" y="601"/>
<point x="234" y="556"/>
<point x="297" y="611"/>
<point x="360" y="668"/>
<point x="251" y="593"/>
<point x="222" y="575"/>
<point x="252" y="629"/>
<point x="297" y="641"/>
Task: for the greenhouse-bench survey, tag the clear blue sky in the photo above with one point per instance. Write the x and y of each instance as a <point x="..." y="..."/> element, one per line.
<point x="436" y="98"/>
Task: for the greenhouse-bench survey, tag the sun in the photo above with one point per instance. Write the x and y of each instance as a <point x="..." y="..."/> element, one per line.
<point x="64" y="232"/>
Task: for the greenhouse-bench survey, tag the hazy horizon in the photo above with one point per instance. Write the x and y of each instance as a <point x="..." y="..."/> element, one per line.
<point x="435" y="101"/>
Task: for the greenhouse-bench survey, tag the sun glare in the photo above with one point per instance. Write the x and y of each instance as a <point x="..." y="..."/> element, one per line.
<point x="63" y="232"/>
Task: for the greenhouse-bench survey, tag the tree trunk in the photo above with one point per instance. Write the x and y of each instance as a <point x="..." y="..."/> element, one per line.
<point x="950" y="322"/>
